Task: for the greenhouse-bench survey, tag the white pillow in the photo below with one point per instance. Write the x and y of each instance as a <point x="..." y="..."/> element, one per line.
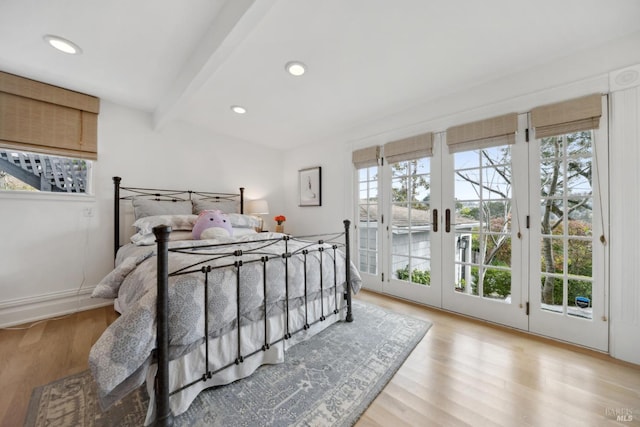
<point x="243" y="221"/>
<point x="150" y="238"/>
<point x="240" y="231"/>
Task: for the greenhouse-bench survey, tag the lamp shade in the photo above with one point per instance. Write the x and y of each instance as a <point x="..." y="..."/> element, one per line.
<point x="258" y="207"/>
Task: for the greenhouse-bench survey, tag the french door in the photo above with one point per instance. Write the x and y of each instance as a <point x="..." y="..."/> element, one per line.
<point x="509" y="233"/>
<point x="412" y="243"/>
<point x="445" y="231"/>
<point x="394" y="229"/>
<point x="569" y="262"/>
<point x="484" y="262"/>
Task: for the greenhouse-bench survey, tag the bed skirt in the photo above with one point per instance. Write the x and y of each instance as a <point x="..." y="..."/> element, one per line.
<point x="190" y="366"/>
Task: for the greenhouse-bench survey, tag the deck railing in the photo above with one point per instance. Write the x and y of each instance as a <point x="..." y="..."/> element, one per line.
<point x="45" y="173"/>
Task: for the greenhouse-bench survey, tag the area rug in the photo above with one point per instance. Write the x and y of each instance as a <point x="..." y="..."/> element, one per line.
<point x="328" y="380"/>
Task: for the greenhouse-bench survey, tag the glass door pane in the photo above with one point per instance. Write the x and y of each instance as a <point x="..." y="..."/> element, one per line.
<point x="410" y="221"/>
<point x="482" y="223"/>
<point x="368" y="220"/>
<point x="411" y="241"/>
<point x="482" y="262"/>
<point x="567" y="287"/>
<point x="566" y="231"/>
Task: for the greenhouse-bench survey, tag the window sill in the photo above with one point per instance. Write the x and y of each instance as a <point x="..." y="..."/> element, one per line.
<point x="33" y="195"/>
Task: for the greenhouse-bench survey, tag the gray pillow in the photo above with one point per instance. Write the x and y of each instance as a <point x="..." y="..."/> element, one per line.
<point x="226" y="206"/>
<point x="147" y="207"/>
<point x="176" y="222"/>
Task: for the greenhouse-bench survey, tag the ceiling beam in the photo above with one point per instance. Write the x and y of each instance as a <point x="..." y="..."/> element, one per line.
<point x="229" y="29"/>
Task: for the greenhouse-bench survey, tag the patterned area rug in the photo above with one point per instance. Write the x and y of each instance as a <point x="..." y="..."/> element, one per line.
<point x="328" y="380"/>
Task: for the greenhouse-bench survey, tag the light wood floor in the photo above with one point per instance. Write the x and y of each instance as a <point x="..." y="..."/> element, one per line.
<point x="464" y="372"/>
<point x="46" y="352"/>
<point x="470" y="373"/>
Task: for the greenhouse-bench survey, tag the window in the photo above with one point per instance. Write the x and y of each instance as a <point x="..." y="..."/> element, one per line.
<point x="48" y="135"/>
<point x="366" y="161"/>
<point x="25" y="171"/>
<point x="368" y="218"/>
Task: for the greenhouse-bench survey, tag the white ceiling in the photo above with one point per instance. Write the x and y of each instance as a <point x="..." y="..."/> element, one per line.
<point x="367" y="59"/>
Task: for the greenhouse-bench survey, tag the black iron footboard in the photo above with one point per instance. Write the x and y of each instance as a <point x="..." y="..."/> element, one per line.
<point x="237" y="259"/>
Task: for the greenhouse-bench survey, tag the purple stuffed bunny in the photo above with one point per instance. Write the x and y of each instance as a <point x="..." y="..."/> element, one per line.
<point x="217" y="221"/>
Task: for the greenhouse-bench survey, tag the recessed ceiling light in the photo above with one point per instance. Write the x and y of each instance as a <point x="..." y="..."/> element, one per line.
<point x="295" y="68"/>
<point x="238" y="109"/>
<point x="63" y="45"/>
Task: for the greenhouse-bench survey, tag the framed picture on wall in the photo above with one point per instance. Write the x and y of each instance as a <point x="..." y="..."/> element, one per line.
<point x="310" y="186"/>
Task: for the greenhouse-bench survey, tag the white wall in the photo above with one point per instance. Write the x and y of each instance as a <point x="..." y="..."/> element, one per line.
<point x="625" y="211"/>
<point x="334" y="159"/>
<point x="48" y="251"/>
<point x="51" y="249"/>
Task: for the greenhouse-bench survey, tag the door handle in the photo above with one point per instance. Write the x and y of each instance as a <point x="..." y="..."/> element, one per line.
<point x="435" y="220"/>
<point x="447" y="218"/>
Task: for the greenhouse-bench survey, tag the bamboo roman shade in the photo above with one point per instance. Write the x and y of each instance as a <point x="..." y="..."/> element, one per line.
<point x="46" y="119"/>
<point x="486" y="133"/>
<point x="574" y="115"/>
<point x="409" y="148"/>
<point x="366" y="157"/>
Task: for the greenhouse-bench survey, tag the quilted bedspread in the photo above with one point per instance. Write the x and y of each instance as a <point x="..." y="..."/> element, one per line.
<point x="120" y="358"/>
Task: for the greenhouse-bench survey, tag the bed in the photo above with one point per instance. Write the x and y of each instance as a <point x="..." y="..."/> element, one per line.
<point x="202" y="313"/>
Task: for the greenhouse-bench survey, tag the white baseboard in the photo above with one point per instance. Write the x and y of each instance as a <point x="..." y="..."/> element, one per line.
<point x="625" y="344"/>
<point x="31" y="309"/>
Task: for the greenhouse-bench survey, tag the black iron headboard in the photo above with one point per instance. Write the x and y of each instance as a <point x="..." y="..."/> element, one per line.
<point x="129" y="193"/>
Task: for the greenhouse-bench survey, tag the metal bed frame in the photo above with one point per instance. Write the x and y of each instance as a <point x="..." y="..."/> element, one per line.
<point x="323" y="245"/>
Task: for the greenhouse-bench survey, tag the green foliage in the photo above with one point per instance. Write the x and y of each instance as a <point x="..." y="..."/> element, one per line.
<point x="501" y="252"/>
<point x="576" y="150"/>
<point x="468" y="212"/>
<point x="580" y="255"/>
<point x="577" y="288"/>
<point x="496" y="282"/>
<point x="80" y="164"/>
<point x="422" y="277"/>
